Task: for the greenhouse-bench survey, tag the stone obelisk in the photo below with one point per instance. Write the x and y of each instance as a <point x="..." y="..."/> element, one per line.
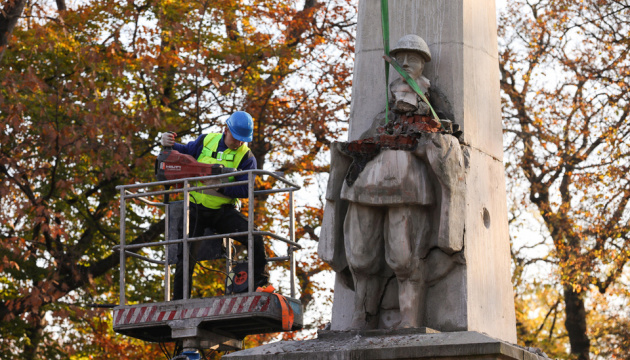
<point x="470" y="311"/>
<point x="464" y="74"/>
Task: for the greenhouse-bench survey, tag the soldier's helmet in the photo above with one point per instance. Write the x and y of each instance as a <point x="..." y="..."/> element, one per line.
<point x="412" y="42"/>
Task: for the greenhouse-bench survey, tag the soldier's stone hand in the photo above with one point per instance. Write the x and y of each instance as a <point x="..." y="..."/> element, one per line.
<point x="427" y="143"/>
<point x="444" y="154"/>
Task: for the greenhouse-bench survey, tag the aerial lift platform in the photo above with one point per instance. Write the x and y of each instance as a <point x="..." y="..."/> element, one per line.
<point x="221" y="322"/>
<point x="207" y="322"/>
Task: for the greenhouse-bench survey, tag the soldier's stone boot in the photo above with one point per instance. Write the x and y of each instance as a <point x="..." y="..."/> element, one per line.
<point x="367" y="300"/>
<point x="411" y="298"/>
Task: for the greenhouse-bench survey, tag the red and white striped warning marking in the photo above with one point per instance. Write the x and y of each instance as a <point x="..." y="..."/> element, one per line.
<point x="219" y="306"/>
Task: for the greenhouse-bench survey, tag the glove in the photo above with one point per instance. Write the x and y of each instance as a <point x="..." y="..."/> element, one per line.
<point x="168" y="139"/>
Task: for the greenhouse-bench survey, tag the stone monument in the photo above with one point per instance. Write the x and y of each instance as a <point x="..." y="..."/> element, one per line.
<point x="415" y="224"/>
<point x="465" y="250"/>
<point x="404" y="194"/>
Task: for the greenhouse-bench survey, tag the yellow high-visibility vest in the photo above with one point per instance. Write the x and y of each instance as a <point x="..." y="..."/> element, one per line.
<point x="210" y="198"/>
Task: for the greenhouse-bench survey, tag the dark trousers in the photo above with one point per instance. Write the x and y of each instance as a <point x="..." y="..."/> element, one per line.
<point x="223" y="221"/>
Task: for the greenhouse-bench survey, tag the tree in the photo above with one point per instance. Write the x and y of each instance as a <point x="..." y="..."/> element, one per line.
<point x="564" y="67"/>
<point x="9" y="16"/>
<point x="85" y="92"/>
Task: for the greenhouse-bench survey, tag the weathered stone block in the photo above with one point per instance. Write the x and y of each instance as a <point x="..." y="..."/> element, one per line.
<point x="409" y="344"/>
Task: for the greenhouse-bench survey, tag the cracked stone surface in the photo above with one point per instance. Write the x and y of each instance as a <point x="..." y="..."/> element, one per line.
<point x="404" y="344"/>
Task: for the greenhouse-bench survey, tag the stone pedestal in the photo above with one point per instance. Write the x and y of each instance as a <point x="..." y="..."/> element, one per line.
<point x="464" y="75"/>
<point x="422" y="344"/>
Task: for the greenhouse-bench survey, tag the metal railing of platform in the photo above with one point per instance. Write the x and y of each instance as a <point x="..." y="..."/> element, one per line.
<point x="143" y="196"/>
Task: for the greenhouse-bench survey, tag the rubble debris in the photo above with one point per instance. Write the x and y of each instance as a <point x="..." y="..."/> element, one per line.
<point x="400" y="134"/>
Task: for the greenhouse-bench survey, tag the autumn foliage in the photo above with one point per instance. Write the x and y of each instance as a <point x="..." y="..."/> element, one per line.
<point x="87" y="87"/>
<point x="85" y="90"/>
<point x="565" y="67"/>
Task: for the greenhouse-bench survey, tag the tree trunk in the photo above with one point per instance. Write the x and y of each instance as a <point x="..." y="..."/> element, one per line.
<point x="35" y="333"/>
<point x="9" y="16"/>
<point x="576" y="323"/>
<point x="61" y="5"/>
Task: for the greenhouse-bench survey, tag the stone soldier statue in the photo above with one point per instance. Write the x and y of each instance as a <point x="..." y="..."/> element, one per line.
<point x="401" y="205"/>
<point x="411" y="52"/>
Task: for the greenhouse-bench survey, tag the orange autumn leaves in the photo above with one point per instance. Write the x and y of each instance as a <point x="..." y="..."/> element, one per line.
<point x="84" y="94"/>
<point x="565" y="110"/>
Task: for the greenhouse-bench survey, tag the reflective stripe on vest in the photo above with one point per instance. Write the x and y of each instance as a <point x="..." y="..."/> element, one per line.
<point x="228" y="158"/>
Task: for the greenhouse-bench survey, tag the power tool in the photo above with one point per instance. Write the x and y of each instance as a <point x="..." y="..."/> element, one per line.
<point x="171" y="165"/>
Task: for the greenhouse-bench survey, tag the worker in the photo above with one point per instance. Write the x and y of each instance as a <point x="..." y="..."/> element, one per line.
<point x="217" y="208"/>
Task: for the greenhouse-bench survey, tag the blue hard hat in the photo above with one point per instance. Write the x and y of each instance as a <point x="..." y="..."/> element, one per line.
<point x="241" y="126"/>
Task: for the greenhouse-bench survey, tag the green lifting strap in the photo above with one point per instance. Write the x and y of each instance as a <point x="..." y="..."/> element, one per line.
<point x="389" y="60"/>
<point x="411" y="82"/>
<point x="385" y="28"/>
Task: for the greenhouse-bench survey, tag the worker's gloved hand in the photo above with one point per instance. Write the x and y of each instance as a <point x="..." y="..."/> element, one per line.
<point x="168" y="139"/>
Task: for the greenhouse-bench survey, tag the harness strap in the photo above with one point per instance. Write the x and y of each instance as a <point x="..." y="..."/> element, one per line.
<point x="287" y="312"/>
<point x="215" y="140"/>
<point x="388" y="60"/>
<point x="219" y="155"/>
<point x="288" y="317"/>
